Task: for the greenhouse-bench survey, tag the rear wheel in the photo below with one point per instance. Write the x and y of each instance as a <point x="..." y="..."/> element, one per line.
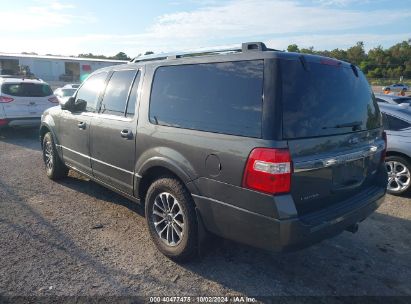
<point x="399" y="175"/>
<point x="55" y="168"/>
<point x="171" y="219"/>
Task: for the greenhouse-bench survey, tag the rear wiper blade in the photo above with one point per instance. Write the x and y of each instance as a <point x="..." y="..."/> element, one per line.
<point x="354" y="125"/>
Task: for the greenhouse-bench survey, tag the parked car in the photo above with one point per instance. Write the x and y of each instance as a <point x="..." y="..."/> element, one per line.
<point x="392" y="99"/>
<point x="397" y="125"/>
<point x="272" y="149"/>
<point x="72" y="86"/>
<point x="22" y="101"/>
<point x="63" y="94"/>
<point x="397" y="87"/>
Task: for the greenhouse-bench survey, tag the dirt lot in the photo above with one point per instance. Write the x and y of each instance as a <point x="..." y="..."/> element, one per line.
<point x="49" y="245"/>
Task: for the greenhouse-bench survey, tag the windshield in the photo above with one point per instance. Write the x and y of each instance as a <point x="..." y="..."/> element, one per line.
<point x="68" y="92"/>
<point x="26" y="89"/>
<point x="326" y="100"/>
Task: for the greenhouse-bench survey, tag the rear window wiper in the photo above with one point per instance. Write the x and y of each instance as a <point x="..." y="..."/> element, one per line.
<point x="355" y="125"/>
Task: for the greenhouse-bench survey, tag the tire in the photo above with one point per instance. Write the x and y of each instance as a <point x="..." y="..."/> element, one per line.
<point x="55" y="168"/>
<point x="399" y="175"/>
<point x="171" y="219"/>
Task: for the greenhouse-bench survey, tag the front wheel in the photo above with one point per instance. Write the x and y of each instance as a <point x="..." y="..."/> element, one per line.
<point x="55" y="168"/>
<point x="171" y="219"/>
<point x="399" y="175"/>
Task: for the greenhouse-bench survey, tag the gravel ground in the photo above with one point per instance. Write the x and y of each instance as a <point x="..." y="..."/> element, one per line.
<point x="74" y="237"/>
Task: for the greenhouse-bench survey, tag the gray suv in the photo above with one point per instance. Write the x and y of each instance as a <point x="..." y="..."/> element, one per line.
<point x="272" y="149"/>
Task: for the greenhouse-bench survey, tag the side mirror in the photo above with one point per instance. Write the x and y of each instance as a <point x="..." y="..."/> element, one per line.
<point x="69" y="104"/>
<point x="80" y="105"/>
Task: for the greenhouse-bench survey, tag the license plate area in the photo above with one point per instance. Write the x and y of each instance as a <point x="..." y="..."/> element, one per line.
<point x="32" y="108"/>
<point x="349" y="173"/>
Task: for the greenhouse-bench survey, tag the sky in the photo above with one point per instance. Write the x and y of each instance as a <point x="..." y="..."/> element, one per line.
<point x="71" y="27"/>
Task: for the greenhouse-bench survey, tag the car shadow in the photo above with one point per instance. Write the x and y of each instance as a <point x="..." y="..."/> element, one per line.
<point x="23" y="137"/>
<point x="374" y="261"/>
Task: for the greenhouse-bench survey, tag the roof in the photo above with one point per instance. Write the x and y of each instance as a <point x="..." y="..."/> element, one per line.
<point x="18" y="79"/>
<point x="398" y="110"/>
<point x="247" y="51"/>
<point x="59" y="58"/>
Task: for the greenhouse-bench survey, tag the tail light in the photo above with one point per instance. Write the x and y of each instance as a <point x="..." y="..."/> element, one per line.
<point x="384" y="152"/>
<point x="3" y="122"/>
<point x="5" y="99"/>
<point x="268" y="170"/>
<point x="54" y="100"/>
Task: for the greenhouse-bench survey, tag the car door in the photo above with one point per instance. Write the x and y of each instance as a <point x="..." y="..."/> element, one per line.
<point x="75" y="125"/>
<point x="113" y="133"/>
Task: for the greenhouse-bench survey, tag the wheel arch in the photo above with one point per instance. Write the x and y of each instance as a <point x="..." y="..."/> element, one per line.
<point x="156" y="168"/>
<point x="400" y="154"/>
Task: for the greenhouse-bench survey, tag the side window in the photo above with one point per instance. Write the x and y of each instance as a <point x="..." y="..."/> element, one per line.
<point x="87" y="96"/>
<point x="396" y="124"/>
<point x="215" y="97"/>
<point x="132" y="100"/>
<point x="115" y="96"/>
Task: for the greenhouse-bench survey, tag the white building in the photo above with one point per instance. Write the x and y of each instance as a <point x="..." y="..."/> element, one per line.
<point x="53" y="68"/>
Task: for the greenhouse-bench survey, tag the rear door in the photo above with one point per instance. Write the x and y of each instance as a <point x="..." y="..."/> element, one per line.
<point x="113" y="134"/>
<point x="333" y="128"/>
<point x="28" y="99"/>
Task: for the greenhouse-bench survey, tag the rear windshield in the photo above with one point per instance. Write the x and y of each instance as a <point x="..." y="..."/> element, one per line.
<point x="68" y="92"/>
<point x="325" y="100"/>
<point x="26" y="89"/>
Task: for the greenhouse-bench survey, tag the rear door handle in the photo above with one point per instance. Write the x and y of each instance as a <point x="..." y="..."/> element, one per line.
<point x="126" y="133"/>
<point x="81" y="125"/>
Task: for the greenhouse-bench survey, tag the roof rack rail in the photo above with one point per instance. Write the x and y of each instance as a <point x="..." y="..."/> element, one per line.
<point x="245" y="47"/>
<point x="21" y="76"/>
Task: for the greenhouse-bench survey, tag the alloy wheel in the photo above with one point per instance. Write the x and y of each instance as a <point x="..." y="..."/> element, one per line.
<point x="168" y="219"/>
<point x="48" y="155"/>
<point x="398" y="176"/>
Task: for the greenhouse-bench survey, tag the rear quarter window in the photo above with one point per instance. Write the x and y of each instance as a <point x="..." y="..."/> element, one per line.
<point x="26" y="89"/>
<point x="319" y="101"/>
<point x="216" y="97"/>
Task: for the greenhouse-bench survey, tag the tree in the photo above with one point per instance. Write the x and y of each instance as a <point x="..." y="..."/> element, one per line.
<point x="310" y="50"/>
<point x="377" y="63"/>
<point x="90" y="55"/>
<point x="356" y="54"/>
<point x="293" y="48"/>
<point x="121" y="56"/>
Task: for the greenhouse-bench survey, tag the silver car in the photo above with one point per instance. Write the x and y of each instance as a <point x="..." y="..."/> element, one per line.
<point x="397" y="124"/>
<point x="397" y="87"/>
<point x="63" y="94"/>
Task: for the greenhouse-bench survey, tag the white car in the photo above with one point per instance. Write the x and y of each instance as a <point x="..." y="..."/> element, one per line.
<point x="71" y="86"/>
<point x="397" y="87"/>
<point x="23" y="101"/>
<point x="63" y="94"/>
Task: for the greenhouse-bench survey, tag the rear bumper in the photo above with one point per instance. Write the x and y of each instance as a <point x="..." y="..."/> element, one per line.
<point x="20" y="122"/>
<point x="286" y="234"/>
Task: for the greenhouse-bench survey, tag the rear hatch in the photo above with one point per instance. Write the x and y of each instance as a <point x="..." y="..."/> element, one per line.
<point x="333" y="127"/>
<point x="26" y="99"/>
